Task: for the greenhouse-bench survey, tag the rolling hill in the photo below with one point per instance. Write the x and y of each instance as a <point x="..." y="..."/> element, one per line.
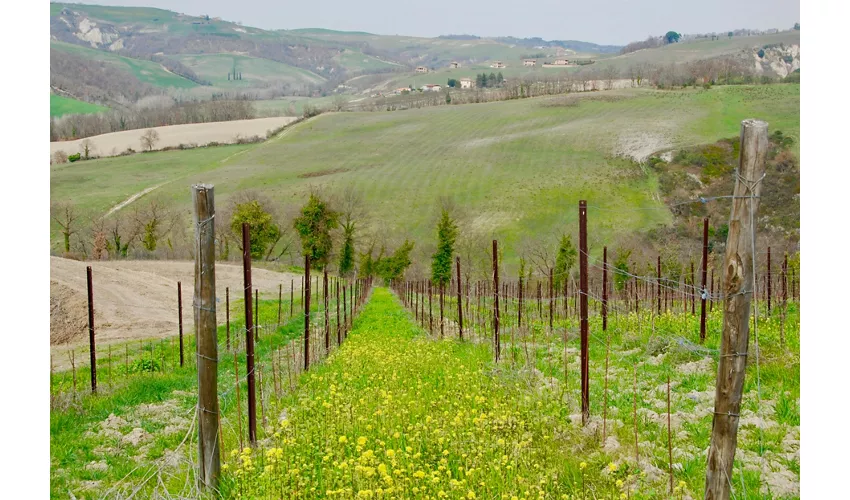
<point x="60" y="105"/>
<point x="515" y="168"/>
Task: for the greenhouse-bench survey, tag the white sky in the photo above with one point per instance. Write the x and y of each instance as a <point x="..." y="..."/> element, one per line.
<point x="615" y="22"/>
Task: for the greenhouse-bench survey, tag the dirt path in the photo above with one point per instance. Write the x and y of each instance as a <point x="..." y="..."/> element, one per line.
<point x="136" y="299"/>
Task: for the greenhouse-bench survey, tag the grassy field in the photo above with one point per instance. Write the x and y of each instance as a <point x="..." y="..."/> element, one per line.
<point x="146" y="71"/>
<point x="60" y="105"/>
<point x="516" y="169"/>
<point x="395" y="411"/>
<point x="215" y="68"/>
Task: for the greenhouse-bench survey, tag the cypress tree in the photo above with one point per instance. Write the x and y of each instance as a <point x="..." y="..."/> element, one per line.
<point x="441" y="265"/>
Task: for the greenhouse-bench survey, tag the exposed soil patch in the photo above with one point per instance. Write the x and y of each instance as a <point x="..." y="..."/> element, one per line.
<point x="68" y="314"/>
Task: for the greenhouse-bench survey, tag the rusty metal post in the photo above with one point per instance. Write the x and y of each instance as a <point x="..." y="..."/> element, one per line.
<point x="249" y="332"/>
<point x="658" y="284"/>
<point x="257" y="314"/>
<point x="92" y="352"/>
<point x="496" y="340"/>
<point x="307" y="312"/>
<point x="279" y="302"/>
<point x="703" y="289"/>
<point x="338" y="324"/>
<point x="551" y="299"/>
<point x="207" y="340"/>
<point x="459" y="299"/>
<point x="604" y="288"/>
<point x="738" y="289"/>
<point x="180" y="318"/>
<point x="769" y="288"/>
<point x="227" y="315"/>
<point x="325" y="307"/>
<point x="693" y="291"/>
<point x="291" y="298"/>
<point x="585" y="364"/>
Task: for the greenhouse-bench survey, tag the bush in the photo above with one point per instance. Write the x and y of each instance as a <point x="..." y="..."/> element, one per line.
<point x="311" y="111"/>
<point x="60" y="157"/>
<point x="74" y="157"/>
<point x="144" y="365"/>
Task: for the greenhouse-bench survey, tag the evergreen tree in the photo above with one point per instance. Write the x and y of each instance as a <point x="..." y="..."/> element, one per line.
<point x="499" y="78"/>
<point x="346" y="255"/>
<point x="314" y="226"/>
<point x="393" y="267"/>
<point x="261" y="227"/>
<point x="621" y="269"/>
<point x="564" y="261"/>
<point x="441" y="265"/>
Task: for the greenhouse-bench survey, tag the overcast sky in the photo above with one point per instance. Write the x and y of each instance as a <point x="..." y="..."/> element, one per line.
<point x="615" y="22"/>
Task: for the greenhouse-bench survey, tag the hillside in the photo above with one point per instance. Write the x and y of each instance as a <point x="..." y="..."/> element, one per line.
<point x="60" y="105"/>
<point x="516" y="169"/>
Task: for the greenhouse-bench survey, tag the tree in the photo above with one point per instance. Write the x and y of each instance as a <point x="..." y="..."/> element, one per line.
<point x="151" y="223"/>
<point x="499" y="78"/>
<point x="352" y="211"/>
<point x="314" y="227"/>
<point x="797" y="26"/>
<point x="261" y="227"/>
<point x="339" y="102"/>
<point x="441" y="261"/>
<point x="610" y="73"/>
<point x="86" y="148"/>
<point x="565" y="260"/>
<point x="149" y="139"/>
<point x="730" y="34"/>
<point x="491" y="79"/>
<point x="672" y="37"/>
<point x="448" y="97"/>
<point x="60" y="157"/>
<point x="393" y="267"/>
<point x="452" y="83"/>
<point x="66" y="216"/>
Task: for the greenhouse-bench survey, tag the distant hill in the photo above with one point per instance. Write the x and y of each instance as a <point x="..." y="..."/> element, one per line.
<point x="575" y="45"/>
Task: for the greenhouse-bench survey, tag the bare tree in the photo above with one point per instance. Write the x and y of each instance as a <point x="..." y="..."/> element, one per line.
<point x="87" y="148"/>
<point x="149" y="139"/>
<point x="609" y="74"/>
<point x="60" y="157"/>
<point x="66" y="216"/>
<point x="339" y="102"/>
<point x="152" y="222"/>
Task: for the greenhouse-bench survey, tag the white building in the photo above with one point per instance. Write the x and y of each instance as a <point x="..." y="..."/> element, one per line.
<point x="467" y="83"/>
<point x="430" y="87"/>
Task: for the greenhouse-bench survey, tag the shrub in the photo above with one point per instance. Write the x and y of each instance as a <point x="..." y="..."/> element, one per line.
<point x="74" y="157"/>
<point x="60" y="157"/>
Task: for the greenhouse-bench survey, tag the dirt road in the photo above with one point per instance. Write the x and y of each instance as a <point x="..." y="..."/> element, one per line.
<point x="137" y="299"/>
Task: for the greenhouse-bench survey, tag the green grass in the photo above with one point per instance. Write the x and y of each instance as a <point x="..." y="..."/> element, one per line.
<point x="516" y="169"/>
<point x="60" y="105"/>
<point x="77" y="435"/>
<point x="215" y="67"/>
<point x="146" y="71"/>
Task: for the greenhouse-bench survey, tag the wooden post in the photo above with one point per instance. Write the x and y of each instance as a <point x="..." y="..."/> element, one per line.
<point x="307" y="312"/>
<point x="291" y="298"/>
<point x="496" y="340"/>
<point x="658" y="284"/>
<point x="585" y="365"/>
<point x="738" y="288"/>
<point x="92" y="352"/>
<point x="703" y="290"/>
<point x="279" y="302"/>
<point x="207" y="342"/>
<point x="459" y="300"/>
<point x="180" y="318"/>
<point x="249" y="333"/>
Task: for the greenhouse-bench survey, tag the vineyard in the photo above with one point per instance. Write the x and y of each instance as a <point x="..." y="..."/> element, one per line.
<point x="613" y="385"/>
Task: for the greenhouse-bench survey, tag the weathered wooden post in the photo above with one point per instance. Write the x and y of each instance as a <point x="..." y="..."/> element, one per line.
<point x="738" y="287"/>
<point x="207" y="341"/>
<point x="585" y="364"/>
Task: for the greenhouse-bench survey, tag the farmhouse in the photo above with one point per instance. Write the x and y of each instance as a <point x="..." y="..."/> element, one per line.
<point x="497" y="64"/>
<point x="529" y="62"/>
<point x="432" y="87"/>
<point x="467" y="83"/>
<point x="421" y="69"/>
<point x="454" y="65"/>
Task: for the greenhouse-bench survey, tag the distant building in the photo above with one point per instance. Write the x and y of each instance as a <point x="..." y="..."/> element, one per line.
<point x="430" y="87"/>
<point x="529" y="62"/>
<point x="454" y="65"/>
<point x="559" y="63"/>
<point x="421" y="69"/>
<point x="497" y="64"/>
<point x="467" y="83"/>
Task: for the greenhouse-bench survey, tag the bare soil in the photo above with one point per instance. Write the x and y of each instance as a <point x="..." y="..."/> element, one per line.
<point x="137" y="299"/>
<point x="200" y="134"/>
